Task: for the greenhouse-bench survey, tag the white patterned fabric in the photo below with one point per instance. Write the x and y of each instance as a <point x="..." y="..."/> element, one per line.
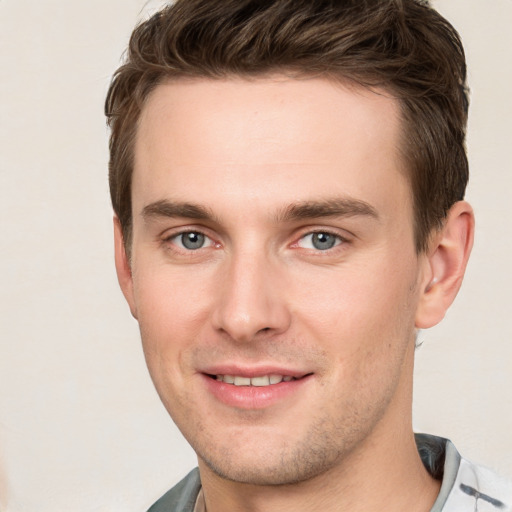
<point x="472" y="488"/>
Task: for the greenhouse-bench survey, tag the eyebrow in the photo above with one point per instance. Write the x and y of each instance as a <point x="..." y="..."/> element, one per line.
<point x="172" y="209"/>
<point x="336" y="207"/>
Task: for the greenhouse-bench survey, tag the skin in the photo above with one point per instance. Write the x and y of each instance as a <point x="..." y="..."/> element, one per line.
<point x="249" y="155"/>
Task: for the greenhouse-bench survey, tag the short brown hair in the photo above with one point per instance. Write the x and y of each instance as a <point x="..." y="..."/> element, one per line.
<point x="403" y="46"/>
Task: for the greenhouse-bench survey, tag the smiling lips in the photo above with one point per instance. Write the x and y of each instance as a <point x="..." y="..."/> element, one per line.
<point x="254" y="389"/>
<point x="264" y="380"/>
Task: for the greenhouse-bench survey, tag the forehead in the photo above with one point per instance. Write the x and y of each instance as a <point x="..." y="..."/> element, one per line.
<point x="239" y="139"/>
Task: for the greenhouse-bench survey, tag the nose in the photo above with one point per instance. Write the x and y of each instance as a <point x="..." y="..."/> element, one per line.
<point x="251" y="299"/>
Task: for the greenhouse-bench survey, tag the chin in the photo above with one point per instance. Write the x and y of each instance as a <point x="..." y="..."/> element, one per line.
<point x="276" y="463"/>
<point x="270" y="474"/>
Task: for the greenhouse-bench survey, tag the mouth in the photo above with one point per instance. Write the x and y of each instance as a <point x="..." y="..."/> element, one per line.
<point x="250" y="388"/>
<point x="259" y="381"/>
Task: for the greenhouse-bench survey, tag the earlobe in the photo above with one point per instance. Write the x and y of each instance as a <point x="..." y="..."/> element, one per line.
<point x="123" y="268"/>
<point x="445" y="265"/>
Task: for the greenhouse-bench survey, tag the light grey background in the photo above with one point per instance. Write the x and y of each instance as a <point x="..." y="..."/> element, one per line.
<point x="81" y="428"/>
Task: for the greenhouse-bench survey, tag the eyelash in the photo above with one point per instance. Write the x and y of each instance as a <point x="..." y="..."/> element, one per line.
<point x="171" y="241"/>
<point x="339" y="240"/>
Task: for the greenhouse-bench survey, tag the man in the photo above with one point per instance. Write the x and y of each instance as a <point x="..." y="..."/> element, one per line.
<point x="288" y="180"/>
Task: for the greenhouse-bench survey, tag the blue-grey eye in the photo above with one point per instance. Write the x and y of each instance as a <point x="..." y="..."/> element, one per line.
<point x="320" y="241"/>
<point x="191" y="240"/>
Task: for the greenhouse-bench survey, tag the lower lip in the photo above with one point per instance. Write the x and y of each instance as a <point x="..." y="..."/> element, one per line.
<point x="253" y="397"/>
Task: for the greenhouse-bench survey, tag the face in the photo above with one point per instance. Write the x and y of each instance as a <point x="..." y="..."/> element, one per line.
<point x="273" y="271"/>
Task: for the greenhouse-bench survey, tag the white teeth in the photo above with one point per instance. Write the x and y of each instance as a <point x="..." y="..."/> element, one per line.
<point x="260" y="381"/>
<point x="242" y="381"/>
<point x="264" y="380"/>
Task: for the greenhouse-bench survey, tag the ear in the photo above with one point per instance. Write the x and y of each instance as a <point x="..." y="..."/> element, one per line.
<point x="123" y="268"/>
<point x="445" y="262"/>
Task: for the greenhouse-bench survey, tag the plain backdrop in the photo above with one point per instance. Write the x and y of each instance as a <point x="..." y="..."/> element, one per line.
<point x="81" y="427"/>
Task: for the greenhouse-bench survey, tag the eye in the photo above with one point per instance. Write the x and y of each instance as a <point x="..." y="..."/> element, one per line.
<point x="191" y="240"/>
<point x="319" y="241"/>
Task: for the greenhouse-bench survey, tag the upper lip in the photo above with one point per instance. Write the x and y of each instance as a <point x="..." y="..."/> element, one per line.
<point x="252" y="371"/>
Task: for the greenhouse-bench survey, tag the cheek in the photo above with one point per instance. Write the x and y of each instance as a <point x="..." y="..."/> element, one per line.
<point x="361" y="308"/>
<point x="170" y="316"/>
<point x="172" y="310"/>
<point x="166" y="296"/>
<point x="365" y="323"/>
